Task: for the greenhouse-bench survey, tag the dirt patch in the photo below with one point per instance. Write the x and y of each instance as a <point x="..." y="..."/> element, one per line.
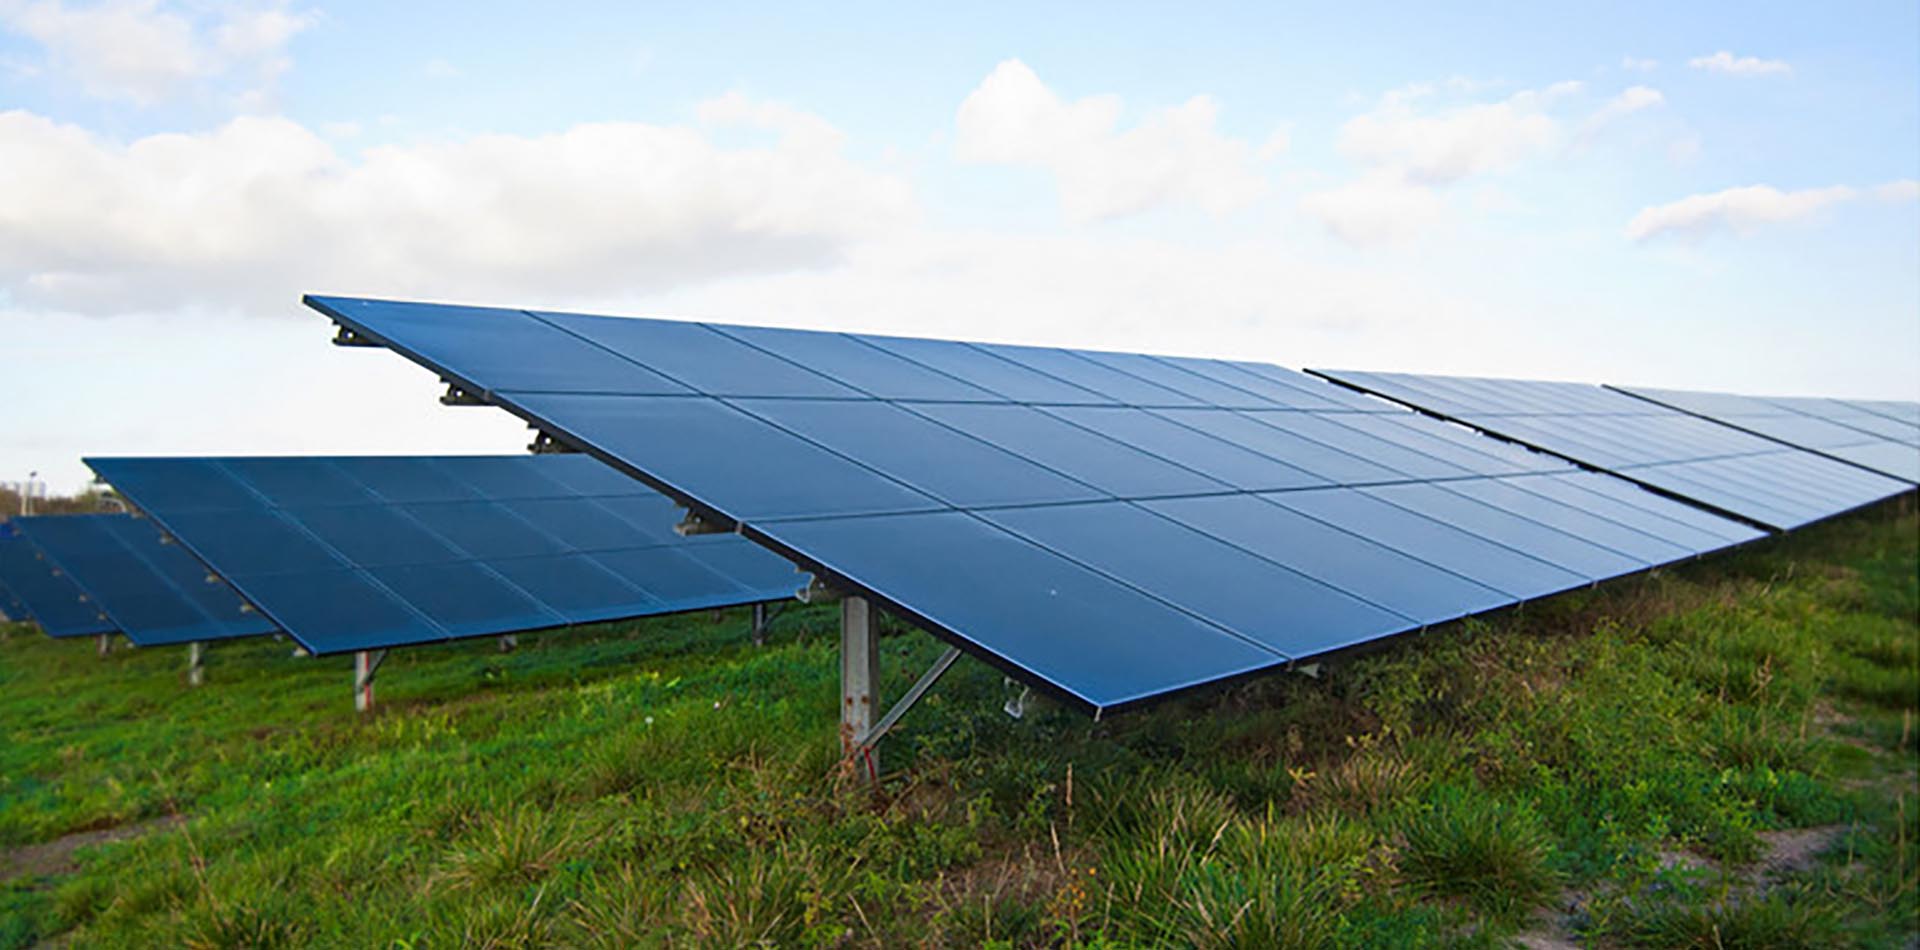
<point x="1791" y="852"/>
<point x="56" y="857"/>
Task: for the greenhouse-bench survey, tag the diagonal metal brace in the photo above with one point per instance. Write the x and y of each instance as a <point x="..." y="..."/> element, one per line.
<point x="927" y="679"/>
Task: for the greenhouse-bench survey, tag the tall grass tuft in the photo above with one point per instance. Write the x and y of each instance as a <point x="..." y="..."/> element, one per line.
<point x="518" y="848"/>
<point x="1491" y="853"/>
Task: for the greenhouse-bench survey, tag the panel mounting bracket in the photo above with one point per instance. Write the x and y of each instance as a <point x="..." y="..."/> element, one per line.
<point x="455" y="396"/>
<point x="545" y="444"/>
<point x="347" y="336"/>
<point x="693" y="524"/>
<point x="817" y="591"/>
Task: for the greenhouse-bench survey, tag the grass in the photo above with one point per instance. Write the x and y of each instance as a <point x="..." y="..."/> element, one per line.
<point x="1610" y="765"/>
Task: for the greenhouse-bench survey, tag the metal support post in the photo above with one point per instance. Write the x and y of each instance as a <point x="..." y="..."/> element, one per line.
<point x="105" y="644"/>
<point x="365" y="664"/>
<point x="859" y="678"/>
<point x="196" y="663"/>
<point x="508" y="642"/>
<point x="759" y="625"/>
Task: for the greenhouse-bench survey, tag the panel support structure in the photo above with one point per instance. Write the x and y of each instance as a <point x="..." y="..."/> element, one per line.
<point x="366" y="663"/>
<point x="196" y="663"/>
<point x="104" y="644"/>
<point x="859" y="677"/>
<point x="919" y="689"/>
<point x="508" y="643"/>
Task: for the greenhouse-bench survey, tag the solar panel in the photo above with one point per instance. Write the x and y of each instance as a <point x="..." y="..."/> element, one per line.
<point x="47" y="596"/>
<point x="153" y="592"/>
<point x="1830" y="427"/>
<point x="1112" y="527"/>
<point x="349" y="554"/>
<point x="1731" y="470"/>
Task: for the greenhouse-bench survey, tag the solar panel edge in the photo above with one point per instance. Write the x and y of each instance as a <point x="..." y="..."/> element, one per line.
<point x="1639" y="394"/>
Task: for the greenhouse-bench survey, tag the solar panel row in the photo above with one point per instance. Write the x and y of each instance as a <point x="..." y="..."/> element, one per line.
<point x="153" y="592"/>
<point x="349" y="554"/>
<point x="1116" y="526"/>
<point x="1734" y="471"/>
<point x="1829" y="427"/>
<point x="47" y="596"/>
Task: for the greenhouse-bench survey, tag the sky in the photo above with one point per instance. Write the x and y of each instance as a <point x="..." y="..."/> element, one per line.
<point x="1708" y="196"/>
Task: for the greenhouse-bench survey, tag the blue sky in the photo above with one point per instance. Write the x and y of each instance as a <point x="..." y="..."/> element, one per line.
<point x="1714" y="196"/>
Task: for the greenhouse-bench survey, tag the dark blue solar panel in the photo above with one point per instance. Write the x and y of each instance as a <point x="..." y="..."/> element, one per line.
<point x="1089" y="636"/>
<point x="364" y="553"/>
<point x="154" y="592"/>
<point x="1204" y="576"/>
<point x="47" y="595"/>
<point x="1242" y="467"/>
<point x="1113" y="526"/>
<point x="1781" y="484"/>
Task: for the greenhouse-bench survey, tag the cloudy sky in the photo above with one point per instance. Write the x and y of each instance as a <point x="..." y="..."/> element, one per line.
<point x="1708" y="197"/>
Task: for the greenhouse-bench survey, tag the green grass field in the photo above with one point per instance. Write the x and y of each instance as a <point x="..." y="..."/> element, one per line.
<point x="1718" y="755"/>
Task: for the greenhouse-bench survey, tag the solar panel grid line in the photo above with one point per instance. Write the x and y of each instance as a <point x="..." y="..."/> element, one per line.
<point x="1906" y="412"/>
<point x="490" y="563"/>
<point x="116" y="560"/>
<point x="1795" y="422"/>
<point x="394" y="597"/>
<point x="1695" y="458"/>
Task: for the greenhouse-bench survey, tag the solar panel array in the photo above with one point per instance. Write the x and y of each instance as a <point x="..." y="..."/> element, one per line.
<point x="367" y="553"/>
<point x="1880" y="440"/>
<point x="48" y="597"/>
<point x="1724" y="468"/>
<point x="11" y="607"/>
<point x="1118" y="527"/>
<point x="153" y="592"/>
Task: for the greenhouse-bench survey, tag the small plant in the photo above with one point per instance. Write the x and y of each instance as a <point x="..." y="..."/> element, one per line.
<point x="1490" y="853"/>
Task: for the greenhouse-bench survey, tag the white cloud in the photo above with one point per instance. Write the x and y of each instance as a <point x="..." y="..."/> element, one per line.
<point x="1906" y="189"/>
<point x="1739" y="210"/>
<point x="1726" y="62"/>
<point x="145" y="51"/>
<point x="1632" y="64"/>
<point x="1377" y="208"/>
<point x="1633" y="99"/>
<point x="248" y="214"/>
<point x="1409" y="152"/>
<point x="1173" y="155"/>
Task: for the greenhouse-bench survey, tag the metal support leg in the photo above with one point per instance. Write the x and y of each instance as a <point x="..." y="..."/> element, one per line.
<point x="759" y="625"/>
<point x="105" y="644"/>
<point x="508" y="643"/>
<point x="365" y="664"/>
<point x="859" y="677"/>
<point x="196" y="663"/>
